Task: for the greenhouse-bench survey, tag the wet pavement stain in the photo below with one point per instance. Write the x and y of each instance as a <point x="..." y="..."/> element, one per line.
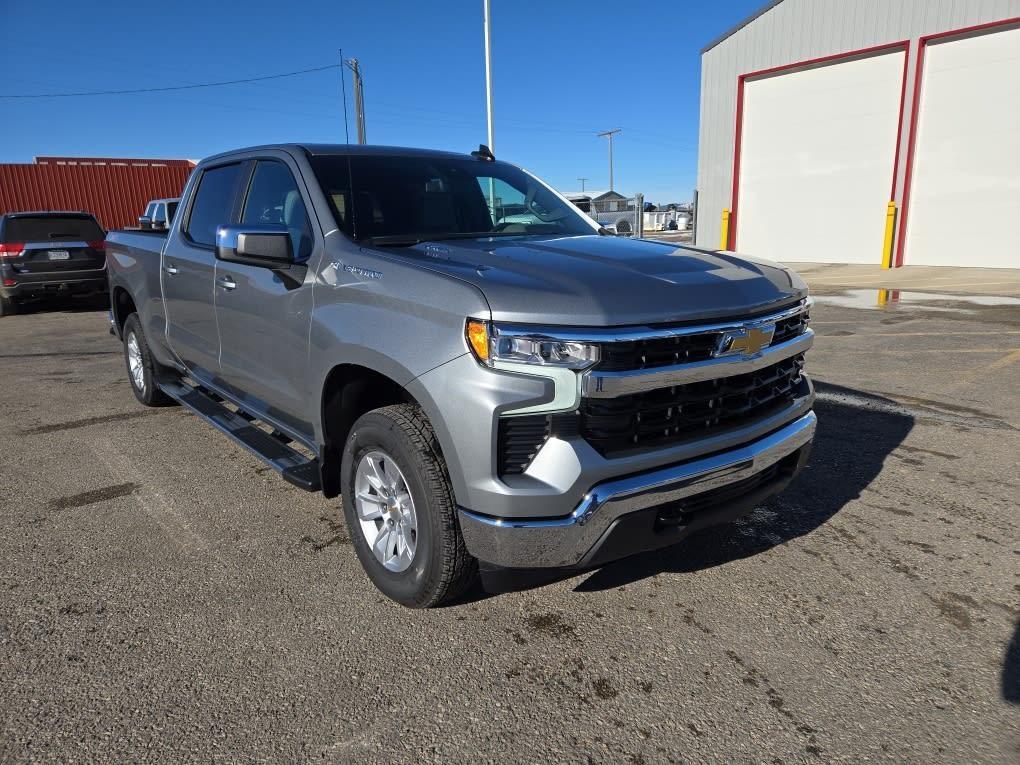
<point x="337" y="534"/>
<point x="932" y="452"/>
<point x="551" y="624"/>
<point x="94" y="496"/>
<point x="604" y="689"/>
<point x="84" y="423"/>
<point x="954" y="607"/>
<point x="887" y="299"/>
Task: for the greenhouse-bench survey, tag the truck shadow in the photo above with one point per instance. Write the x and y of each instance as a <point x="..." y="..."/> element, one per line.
<point x="66" y="304"/>
<point x="852" y="443"/>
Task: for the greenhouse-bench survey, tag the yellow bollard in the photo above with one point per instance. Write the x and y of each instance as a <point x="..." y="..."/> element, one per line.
<point x="890" y="227"/>
<point x="724" y="232"/>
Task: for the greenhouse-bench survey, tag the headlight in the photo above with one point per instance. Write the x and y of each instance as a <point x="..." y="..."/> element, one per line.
<point x="492" y="344"/>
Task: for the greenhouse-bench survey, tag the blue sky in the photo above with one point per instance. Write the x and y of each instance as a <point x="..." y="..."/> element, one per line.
<point x="562" y="71"/>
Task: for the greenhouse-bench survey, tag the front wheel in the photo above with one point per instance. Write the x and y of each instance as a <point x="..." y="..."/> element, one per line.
<point x="140" y="366"/>
<point x="400" y="509"/>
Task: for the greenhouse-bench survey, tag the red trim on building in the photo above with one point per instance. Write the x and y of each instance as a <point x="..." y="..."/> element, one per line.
<point x="990" y="27"/>
<point x="806" y="64"/>
<point x="731" y="240"/>
<point x="899" y="122"/>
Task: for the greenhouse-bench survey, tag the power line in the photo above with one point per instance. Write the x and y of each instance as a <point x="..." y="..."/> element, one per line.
<point x="174" y="87"/>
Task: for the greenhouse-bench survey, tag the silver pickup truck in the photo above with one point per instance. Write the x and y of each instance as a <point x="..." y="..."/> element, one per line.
<point x="448" y="344"/>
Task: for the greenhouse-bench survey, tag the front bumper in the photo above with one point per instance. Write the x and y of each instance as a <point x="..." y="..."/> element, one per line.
<point x="613" y="519"/>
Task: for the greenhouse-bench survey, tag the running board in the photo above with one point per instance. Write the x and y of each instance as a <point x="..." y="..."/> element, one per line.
<point x="295" y="467"/>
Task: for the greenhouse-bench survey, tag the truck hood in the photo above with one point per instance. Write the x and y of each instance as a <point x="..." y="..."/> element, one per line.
<point x="603" y="281"/>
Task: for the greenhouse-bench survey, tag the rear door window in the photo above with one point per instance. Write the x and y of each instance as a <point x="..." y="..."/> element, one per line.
<point x="214" y="203"/>
<point x="53" y="228"/>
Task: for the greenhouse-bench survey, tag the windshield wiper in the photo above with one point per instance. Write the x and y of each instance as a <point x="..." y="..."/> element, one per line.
<point x="477" y="235"/>
<point x="409" y="240"/>
<point x="394" y="240"/>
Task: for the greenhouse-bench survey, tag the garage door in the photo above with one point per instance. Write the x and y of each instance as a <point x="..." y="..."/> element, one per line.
<point x="816" y="161"/>
<point x="965" y="190"/>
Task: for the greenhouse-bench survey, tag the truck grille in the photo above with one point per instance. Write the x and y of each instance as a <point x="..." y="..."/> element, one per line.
<point x="649" y="353"/>
<point x="668" y="415"/>
<point x="787" y="329"/>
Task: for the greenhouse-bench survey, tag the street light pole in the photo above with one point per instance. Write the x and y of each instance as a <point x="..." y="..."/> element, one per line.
<point x="488" y="99"/>
<point x="488" y="76"/>
<point x="609" y="134"/>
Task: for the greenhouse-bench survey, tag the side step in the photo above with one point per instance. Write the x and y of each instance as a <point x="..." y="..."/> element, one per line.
<point x="295" y="467"/>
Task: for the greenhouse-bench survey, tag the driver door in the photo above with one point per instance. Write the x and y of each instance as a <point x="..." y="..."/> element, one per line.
<point x="263" y="319"/>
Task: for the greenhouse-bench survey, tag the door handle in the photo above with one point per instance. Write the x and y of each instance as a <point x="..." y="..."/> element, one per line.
<point x="171" y="269"/>
<point x="225" y="282"/>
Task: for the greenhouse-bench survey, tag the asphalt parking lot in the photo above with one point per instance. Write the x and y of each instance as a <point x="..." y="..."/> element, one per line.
<point x="164" y="596"/>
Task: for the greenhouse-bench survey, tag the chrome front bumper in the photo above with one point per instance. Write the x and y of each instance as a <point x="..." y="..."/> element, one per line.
<point x="568" y="541"/>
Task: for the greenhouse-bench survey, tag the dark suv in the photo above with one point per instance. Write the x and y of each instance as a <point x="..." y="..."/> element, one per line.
<point x="50" y="253"/>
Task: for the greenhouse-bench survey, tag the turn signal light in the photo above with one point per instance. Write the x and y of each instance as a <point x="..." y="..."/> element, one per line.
<point x="477" y="333"/>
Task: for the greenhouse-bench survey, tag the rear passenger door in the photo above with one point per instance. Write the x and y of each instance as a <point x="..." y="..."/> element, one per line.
<point x="264" y="319"/>
<point x="189" y="268"/>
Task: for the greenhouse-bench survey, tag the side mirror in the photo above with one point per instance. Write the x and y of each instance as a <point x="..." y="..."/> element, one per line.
<point x="145" y="222"/>
<point x="255" y="244"/>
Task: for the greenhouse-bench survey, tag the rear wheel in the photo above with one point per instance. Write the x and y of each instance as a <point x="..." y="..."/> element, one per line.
<point x="7" y="306"/>
<point x="140" y="366"/>
<point x="400" y="509"/>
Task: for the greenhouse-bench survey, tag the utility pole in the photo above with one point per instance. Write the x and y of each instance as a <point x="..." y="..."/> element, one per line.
<point x="609" y="134"/>
<point x="359" y="98"/>
<point x="582" y="180"/>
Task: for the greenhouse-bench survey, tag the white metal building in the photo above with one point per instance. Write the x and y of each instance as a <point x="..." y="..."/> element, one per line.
<point x="816" y="114"/>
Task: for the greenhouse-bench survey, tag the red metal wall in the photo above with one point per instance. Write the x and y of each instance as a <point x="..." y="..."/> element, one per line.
<point x="114" y="190"/>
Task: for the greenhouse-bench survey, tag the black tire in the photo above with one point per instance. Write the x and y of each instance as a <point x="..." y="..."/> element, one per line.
<point x="441" y="569"/>
<point x="7" y="306"/>
<point x="148" y="392"/>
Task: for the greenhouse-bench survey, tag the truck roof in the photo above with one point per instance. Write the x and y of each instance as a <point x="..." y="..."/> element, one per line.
<point x="344" y="149"/>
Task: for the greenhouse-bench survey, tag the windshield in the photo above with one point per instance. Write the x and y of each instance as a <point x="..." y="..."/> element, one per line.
<point x="404" y="199"/>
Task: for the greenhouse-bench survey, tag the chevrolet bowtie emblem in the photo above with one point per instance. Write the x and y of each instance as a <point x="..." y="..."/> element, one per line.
<point x="746" y="341"/>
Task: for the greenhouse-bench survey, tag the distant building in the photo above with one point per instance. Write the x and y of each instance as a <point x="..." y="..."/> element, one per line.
<point x="658" y="220"/>
<point x="608" y="208"/>
<point x="113" y="189"/>
<point x="816" y="114"/>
